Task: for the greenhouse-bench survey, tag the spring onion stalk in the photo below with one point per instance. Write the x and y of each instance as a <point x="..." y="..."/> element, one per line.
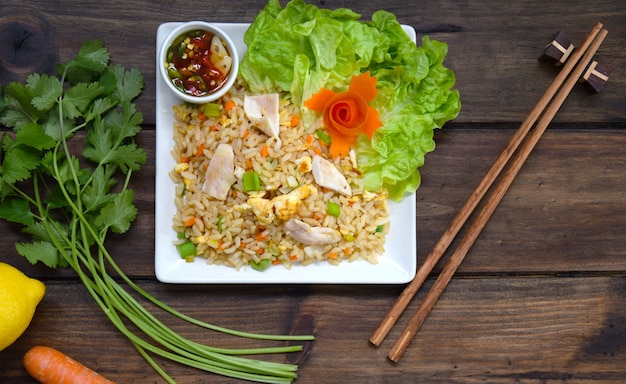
<point x="333" y="209"/>
<point x="323" y="136"/>
<point x="251" y="181"/>
<point x="186" y="249"/>
<point x="211" y="110"/>
<point x="72" y="207"/>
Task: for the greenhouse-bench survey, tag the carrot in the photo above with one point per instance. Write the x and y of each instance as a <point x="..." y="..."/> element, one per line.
<point x="260" y="237"/>
<point x="264" y="151"/>
<point x="49" y="366"/>
<point x="332" y="255"/>
<point x="246" y="133"/>
<point x="276" y="261"/>
<point x="347" y="114"/>
<point x="295" y="120"/>
<point x="293" y="257"/>
<point x="190" y="221"/>
<point x="229" y="105"/>
<point x="184" y="159"/>
<point x="309" y="139"/>
<point x="200" y="150"/>
<point x="214" y="128"/>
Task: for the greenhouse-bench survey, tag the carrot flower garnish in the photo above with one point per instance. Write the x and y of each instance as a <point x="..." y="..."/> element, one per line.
<point x="347" y="114"/>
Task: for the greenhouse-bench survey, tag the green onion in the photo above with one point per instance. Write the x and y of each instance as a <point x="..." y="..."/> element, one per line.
<point x="211" y="110"/>
<point x="261" y="265"/>
<point x="220" y="223"/>
<point x="173" y="73"/>
<point x="380" y="228"/>
<point x="186" y="249"/>
<point x="251" y="181"/>
<point x="323" y="136"/>
<point x="333" y="209"/>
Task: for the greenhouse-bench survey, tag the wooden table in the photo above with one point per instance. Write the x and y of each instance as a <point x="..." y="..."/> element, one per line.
<point x="541" y="297"/>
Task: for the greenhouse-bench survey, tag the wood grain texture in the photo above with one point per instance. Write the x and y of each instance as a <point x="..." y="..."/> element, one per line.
<point x="493" y="48"/>
<point x="540" y="296"/>
<point x="484" y="329"/>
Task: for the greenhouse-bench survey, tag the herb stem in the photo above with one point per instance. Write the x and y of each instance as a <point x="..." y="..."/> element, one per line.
<point x="72" y="207"/>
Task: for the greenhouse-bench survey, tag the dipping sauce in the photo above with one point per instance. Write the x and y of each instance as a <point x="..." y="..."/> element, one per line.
<point x="198" y="62"/>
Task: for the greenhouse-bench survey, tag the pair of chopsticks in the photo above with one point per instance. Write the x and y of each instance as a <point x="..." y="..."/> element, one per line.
<point x="546" y="108"/>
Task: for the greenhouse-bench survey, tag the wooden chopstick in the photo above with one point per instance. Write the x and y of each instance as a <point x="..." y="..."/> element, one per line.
<point x="443" y="243"/>
<point x="448" y="236"/>
<point x="481" y="220"/>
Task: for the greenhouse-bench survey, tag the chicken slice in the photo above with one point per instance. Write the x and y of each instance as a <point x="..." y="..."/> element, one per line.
<point x="287" y="205"/>
<point x="306" y="234"/>
<point x="262" y="110"/>
<point x="220" y="173"/>
<point x="327" y="176"/>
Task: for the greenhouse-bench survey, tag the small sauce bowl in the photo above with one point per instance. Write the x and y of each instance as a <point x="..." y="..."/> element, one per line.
<point x="198" y="62"/>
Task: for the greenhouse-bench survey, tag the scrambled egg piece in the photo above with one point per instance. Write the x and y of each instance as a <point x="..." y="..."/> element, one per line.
<point x="282" y="206"/>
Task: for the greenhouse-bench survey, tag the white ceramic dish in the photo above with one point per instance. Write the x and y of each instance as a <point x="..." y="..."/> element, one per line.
<point x="396" y="266"/>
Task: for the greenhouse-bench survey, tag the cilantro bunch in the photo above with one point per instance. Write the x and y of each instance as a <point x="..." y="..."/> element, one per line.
<point x="45" y="113"/>
<point x="64" y="176"/>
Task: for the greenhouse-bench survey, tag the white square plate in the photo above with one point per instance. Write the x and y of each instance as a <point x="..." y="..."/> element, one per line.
<point x="395" y="266"/>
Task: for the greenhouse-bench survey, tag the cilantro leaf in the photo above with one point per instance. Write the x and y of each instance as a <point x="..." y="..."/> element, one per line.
<point x="100" y="106"/>
<point x="128" y="83"/>
<point x="19" y="97"/>
<point x="47" y="89"/>
<point x="128" y="156"/>
<point x="91" y="60"/>
<point x="104" y="147"/>
<point x="18" y="163"/>
<point x="124" y="125"/>
<point x="118" y="214"/>
<point x="52" y="126"/>
<point x="78" y="98"/>
<point x="33" y="135"/>
<point x="17" y="211"/>
<point x="42" y="251"/>
<point x="92" y="56"/>
<point x="96" y="193"/>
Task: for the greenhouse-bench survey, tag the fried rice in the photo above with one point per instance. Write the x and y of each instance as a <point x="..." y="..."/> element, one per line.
<point x="225" y="233"/>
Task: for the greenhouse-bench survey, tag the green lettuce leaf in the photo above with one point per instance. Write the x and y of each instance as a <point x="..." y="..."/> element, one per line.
<point x="301" y="49"/>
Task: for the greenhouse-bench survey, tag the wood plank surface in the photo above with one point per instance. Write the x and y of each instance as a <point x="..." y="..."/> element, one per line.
<point x="526" y="329"/>
<point x="493" y="47"/>
<point x="540" y="298"/>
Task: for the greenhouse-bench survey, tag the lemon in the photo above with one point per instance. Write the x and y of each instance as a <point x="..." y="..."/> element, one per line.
<point x="19" y="296"/>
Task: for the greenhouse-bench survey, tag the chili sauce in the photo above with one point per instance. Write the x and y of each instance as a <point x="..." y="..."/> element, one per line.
<point x="198" y="62"/>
